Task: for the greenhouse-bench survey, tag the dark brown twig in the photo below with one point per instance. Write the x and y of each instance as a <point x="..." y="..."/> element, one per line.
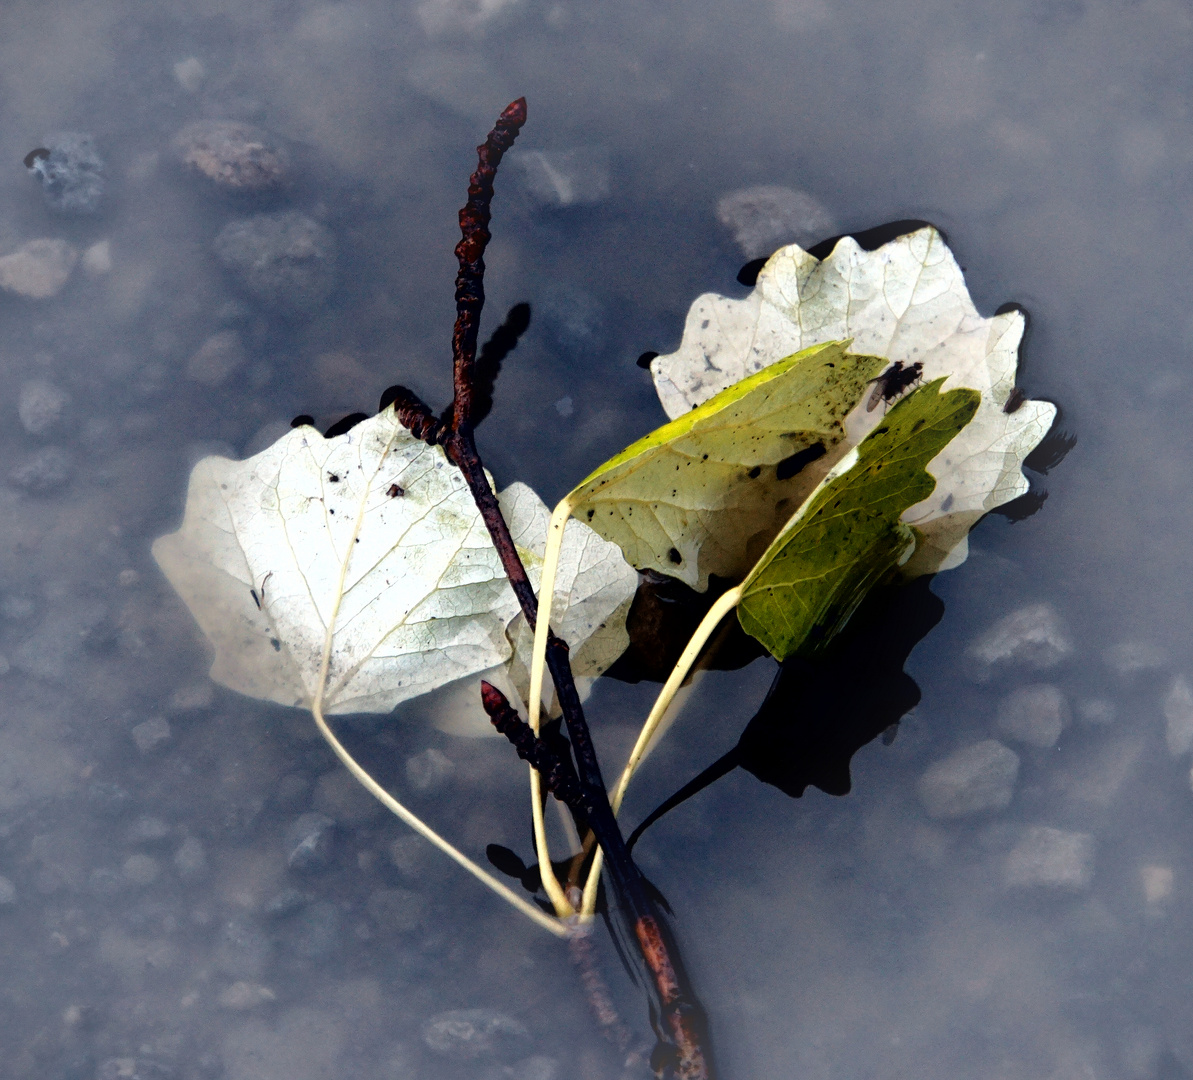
<point x="559" y="777"/>
<point x="470" y="280"/>
<point x="682" y="1025"/>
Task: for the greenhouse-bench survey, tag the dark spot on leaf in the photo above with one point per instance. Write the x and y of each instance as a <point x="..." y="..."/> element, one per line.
<point x="748" y="274"/>
<point x="755" y="472"/>
<point x="277" y="645"/>
<point x="333" y="477"/>
<point x="644" y="360"/>
<point x="881" y="430"/>
<point x="253" y="593"/>
<point x="947" y="504"/>
<point x="393" y="491"/>
<point x="675" y="556"/>
<point x="1015" y="400"/>
<point x="590" y="513"/>
<point x="303" y="421"/>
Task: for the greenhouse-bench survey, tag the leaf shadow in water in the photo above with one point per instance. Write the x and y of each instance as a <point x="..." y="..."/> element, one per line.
<point x="821" y="710"/>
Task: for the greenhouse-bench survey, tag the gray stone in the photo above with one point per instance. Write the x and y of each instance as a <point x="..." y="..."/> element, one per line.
<point x="562" y="178"/>
<point x="8" y="892"/>
<point x="1035" y="714"/>
<point x="1178" y="714"/>
<point x="763" y="219"/>
<point x="218" y="357"/>
<point x="340" y="796"/>
<point x="470" y="1034"/>
<point x="305" y="1044"/>
<point x="538" y="1067"/>
<point x="190" y="860"/>
<point x="1097" y="711"/>
<point x="974" y="779"/>
<point x="193" y="697"/>
<point x="309" y="842"/>
<point x="1032" y="636"/>
<point x="242" y="996"/>
<point x="429" y="771"/>
<point x="407" y="854"/>
<point x="1130" y="657"/>
<point x="70" y="170"/>
<point x="148" y="830"/>
<point x="315" y="931"/>
<point x="1052" y="858"/>
<point x="287" y="902"/>
<point x="232" y="156"/>
<point x="44" y="472"/>
<point x="397" y="910"/>
<point x="284" y="260"/>
<point x="141" y="869"/>
<point x="151" y="734"/>
<point x="38" y="269"/>
<point x="40" y="405"/>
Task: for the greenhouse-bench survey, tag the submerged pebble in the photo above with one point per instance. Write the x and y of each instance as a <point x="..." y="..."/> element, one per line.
<point x="1178" y="714"/>
<point x="40" y="405"/>
<point x="971" y="780"/>
<point x="151" y="734"/>
<point x="764" y="218"/>
<point x="70" y="170"/>
<point x="309" y="842"/>
<point x="217" y="358"/>
<point x="284" y="260"/>
<point x="429" y="771"/>
<point x="42" y="473"/>
<point x="1051" y="857"/>
<point x="562" y="178"/>
<point x="235" y="157"/>
<point x="38" y="269"/>
<point x="190" y="860"/>
<point x="1033" y="636"/>
<point x="1035" y="715"/>
<point x="468" y="1034"/>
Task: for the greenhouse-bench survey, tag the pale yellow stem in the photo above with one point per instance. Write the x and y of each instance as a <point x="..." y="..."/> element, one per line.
<point x="538" y="658"/>
<point x="528" y="909"/>
<point x="724" y="604"/>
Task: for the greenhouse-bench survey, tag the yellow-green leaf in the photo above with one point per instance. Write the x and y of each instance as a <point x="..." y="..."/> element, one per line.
<point x="848" y="536"/>
<point x="705" y="493"/>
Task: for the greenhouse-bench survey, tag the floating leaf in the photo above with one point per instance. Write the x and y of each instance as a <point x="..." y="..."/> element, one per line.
<point x="906" y="301"/>
<point x="705" y="493"/>
<point x="849" y="535"/>
<point x="375" y="535"/>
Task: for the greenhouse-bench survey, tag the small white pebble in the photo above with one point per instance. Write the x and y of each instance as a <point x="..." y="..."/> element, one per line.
<point x="190" y="74"/>
<point x="564" y="406"/>
<point x="127" y="578"/>
<point x="97" y="259"/>
<point x="1157" y="883"/>
<point x="140" y="869"/>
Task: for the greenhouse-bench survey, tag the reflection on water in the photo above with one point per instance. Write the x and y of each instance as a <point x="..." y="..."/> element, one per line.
<point x="233" y="214"/>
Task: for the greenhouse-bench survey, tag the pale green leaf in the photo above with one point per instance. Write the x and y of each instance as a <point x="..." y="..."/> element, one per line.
<point x="906" y="301"/>
<point x="702" y="495"/>
<point x="849" y="535"/>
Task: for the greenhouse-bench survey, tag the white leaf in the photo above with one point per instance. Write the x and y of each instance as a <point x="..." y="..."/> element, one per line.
<point x="906" y="301"/>
<point x="593" y="589"/>
<point x="410" y="580"/>
<point x="376" y="534"/>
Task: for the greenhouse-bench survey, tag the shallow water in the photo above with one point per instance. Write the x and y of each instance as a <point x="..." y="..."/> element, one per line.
<point x="153" y="929"/>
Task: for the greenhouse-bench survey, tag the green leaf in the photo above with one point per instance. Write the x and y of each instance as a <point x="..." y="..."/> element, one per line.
<point x="848" y="536"/>
<point x="703" y="495"/>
